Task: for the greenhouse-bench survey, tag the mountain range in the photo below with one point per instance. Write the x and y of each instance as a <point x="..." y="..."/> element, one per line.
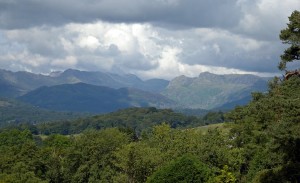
<point x="14" y="84"/>
<point x="99" y="92"/>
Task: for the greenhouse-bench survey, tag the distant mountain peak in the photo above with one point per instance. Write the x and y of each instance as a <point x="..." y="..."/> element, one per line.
<point x="210" y="90"/>
<point x="206" y="73"/>
<point x="71" y="71"/>
<point x="55" y="73"/>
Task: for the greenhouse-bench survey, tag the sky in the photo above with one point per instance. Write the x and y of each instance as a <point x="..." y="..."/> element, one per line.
<point x="148" y="38"/>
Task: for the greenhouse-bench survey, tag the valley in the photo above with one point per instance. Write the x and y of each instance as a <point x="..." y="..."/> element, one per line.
<point x="97" y="123"/>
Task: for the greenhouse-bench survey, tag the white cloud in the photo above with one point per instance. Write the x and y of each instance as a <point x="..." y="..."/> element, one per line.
<point x="68" y="62"/>
<point x="89" y="42"/>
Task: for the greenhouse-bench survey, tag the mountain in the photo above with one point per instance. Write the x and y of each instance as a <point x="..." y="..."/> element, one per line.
<point x="8" y="90"/>
<point x="13" y="112"/>
<point x="18" y="83"/>
<point x="112" y="80"/>
<point x="81" y="97"/>
<point x="208" y="91"/>
<point x="15" y="84"/>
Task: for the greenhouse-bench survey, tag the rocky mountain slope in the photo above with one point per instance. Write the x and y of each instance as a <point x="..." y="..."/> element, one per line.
<point x="208" y="91"/>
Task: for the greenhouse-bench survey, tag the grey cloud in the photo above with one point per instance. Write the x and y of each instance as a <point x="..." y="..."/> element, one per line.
<point x="223" y="49"/>
<point x="264" y="60"/>
<point x="186" y="13"/>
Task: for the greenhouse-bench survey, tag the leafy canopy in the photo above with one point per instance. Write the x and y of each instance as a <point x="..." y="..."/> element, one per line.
<point x="291" y="36"/>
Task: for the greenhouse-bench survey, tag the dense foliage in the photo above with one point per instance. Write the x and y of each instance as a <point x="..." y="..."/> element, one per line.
<point x="184" y="169"/>
<point x="267" y="132"/>
<point x="136" y="119"/>
<point x="108" y="155"/>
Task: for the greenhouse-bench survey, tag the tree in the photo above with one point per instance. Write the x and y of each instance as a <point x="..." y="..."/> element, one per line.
<point x="136" y="161"/>
<point x="184" y="169"/>
<point x="291" y="36"/>
<point x="225" y="177"/>
<point x="92" y="155"/>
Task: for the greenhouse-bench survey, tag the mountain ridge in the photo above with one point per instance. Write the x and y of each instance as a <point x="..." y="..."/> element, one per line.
<point x="209" y="91"/>
<point x="82" y="97"/>
<point x="21" y="82"/>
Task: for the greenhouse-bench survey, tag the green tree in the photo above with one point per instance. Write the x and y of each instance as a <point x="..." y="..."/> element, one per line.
<point x="291" y="36"/>
<point x="225" y="177"/>
<point x="137" y="161"/>
<point x="184" y="169"/>
<point x="91" y="156"/>
<point x="19" y="160"/>
<point x="268" y="132"/>
<point x="54" y="153"/>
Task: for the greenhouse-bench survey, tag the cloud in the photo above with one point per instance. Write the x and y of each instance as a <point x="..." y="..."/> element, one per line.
<point x="96" y="46"/>
<point x="69" y="62"/>
<point x="191" y="13"/>
<point x="89" y="42"/>
<point x="263" y="19"/>
<point x="225" y="49"/>
<point x="158" y="38"/>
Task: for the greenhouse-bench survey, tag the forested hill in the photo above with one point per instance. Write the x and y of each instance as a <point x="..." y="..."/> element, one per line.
<point x="14" y="112"/>
<point x="135" y="119"/>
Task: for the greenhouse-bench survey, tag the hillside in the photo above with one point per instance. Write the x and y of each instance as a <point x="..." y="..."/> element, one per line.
<point x="81" y="97"/>
<point x="14" y="112"/>
<point x="137" y="119"/>
<point x="210" y="91"/>
<point x="8" y="90"/>
<point x="18" y="83"/>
